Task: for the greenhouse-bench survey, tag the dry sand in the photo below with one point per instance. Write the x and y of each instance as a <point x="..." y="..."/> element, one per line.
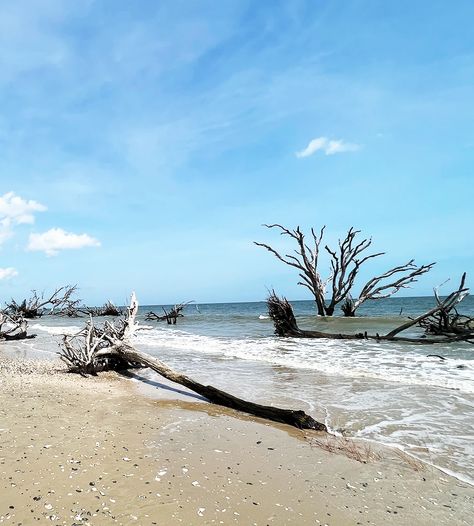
<point x="76" y="451"/>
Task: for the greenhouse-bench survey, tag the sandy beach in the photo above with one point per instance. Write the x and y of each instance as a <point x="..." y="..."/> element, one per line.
<point x="78" y="451"/>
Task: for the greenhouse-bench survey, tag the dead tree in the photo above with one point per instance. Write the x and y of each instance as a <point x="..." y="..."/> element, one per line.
<point x="37" y="305"/>
<point x="345" y="263"/>
<point x="170" y="316"/>
<point x="285" y="324"/>
<point x="13" y="328"/>
<point x="306" y="262"/>
<point x="447" y="320"/>
<point x="85" y="353"/>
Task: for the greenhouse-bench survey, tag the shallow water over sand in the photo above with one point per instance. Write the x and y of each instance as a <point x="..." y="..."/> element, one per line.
<point x="390" y="393"/>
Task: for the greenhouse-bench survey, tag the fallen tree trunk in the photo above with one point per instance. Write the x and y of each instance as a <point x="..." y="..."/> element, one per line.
<point x="294" y="418"/>
<point x="284" y="320"/>
<point x="98" y="348"/>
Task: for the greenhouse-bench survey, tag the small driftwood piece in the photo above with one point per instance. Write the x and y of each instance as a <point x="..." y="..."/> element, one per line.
<point x="13" y="328"/>
<point x="85" y="353"/>
<point x="285" y="324"/>
<point x="170" y="316"/>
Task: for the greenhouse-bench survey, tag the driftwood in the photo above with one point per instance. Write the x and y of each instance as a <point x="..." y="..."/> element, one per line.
<point x="447" y="320"/>
<point x="13" y="328"/>
<point x="37" y="305"/>
<point x="108" y="309"/>
<point x="346" y="262"/>
<point x="285" y="324"/>
<point x="170" y="316"/>
<point x="85" y="353"/>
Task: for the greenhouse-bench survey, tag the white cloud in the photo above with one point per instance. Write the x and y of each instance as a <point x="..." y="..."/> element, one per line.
<point x="56" y="239"/>
<point x="7" y="273"/>
<point x="313" y="146"/>
<point x="340" y="147"/>
<point x="17" y="210"/>
<point x="330" y="147"/>
<point x="14" y="210"/>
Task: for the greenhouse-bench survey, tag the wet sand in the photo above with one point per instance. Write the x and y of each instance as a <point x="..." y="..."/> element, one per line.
<point x="78" y="451"/>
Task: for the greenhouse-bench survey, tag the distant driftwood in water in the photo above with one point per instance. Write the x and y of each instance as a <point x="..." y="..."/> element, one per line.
<point x="170" y="316"/>
<point x="285" y="324"/>
<point x="109" y="347"/>
<point x="39" y="304"/>
<point x="107" y="309"/>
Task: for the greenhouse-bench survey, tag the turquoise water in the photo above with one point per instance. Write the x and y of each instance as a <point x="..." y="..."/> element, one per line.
<point x="386" y="392"/>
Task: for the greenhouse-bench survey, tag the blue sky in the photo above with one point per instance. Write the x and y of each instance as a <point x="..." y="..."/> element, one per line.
<point x="165" y="133"/>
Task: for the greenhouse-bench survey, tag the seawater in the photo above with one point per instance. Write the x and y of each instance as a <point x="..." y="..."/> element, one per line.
<point x="378" y="391"/>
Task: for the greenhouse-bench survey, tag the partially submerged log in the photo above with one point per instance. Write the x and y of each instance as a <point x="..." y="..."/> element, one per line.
<point x="170" y="316"/>
<point x="285" y="324"/>
<point x="85" y="353"/>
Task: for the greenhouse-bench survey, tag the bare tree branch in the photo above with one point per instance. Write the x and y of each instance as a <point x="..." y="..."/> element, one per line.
<point x="34" y="307"/>
<point x="374" y="289"/>
<point x="306" y="261"/>
<point x="345" y="264"/>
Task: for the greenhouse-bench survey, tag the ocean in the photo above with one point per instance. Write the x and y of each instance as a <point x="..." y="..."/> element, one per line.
<point x="388" y="393"/>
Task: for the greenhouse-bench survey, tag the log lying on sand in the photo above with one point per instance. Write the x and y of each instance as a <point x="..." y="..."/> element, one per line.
<point x="13" y="328"/>
<point x="85" y="353"/>
<point x="284" y="320"/>
<point x="294" y="418"/>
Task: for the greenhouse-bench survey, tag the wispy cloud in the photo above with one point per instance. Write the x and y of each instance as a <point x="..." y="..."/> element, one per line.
<point x="328" y="146"/>
<point x="14" y="210"/>
<point x="7" y="273"/>
<point x="57" y="239"/>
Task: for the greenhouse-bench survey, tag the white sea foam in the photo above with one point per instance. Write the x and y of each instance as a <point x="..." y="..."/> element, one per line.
<point x="56" y="329"/>
<point x="382" y="361"/>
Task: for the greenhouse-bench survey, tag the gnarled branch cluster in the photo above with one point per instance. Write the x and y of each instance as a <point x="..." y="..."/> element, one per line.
<point x="38" y="304"/>
<point x="305" y="261"/>
<point x="108" y="309"/>
<point x="447" y="320"/>
<point x="170" y="316"/>
<point x="345" y="264"/>
<point x="13" y="327"/>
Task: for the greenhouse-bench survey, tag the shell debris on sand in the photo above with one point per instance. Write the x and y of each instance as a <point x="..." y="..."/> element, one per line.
<point x="292" y="483"/>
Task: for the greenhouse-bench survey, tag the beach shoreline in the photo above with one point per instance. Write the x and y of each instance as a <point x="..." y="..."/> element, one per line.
<point x="99" y="451"/>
